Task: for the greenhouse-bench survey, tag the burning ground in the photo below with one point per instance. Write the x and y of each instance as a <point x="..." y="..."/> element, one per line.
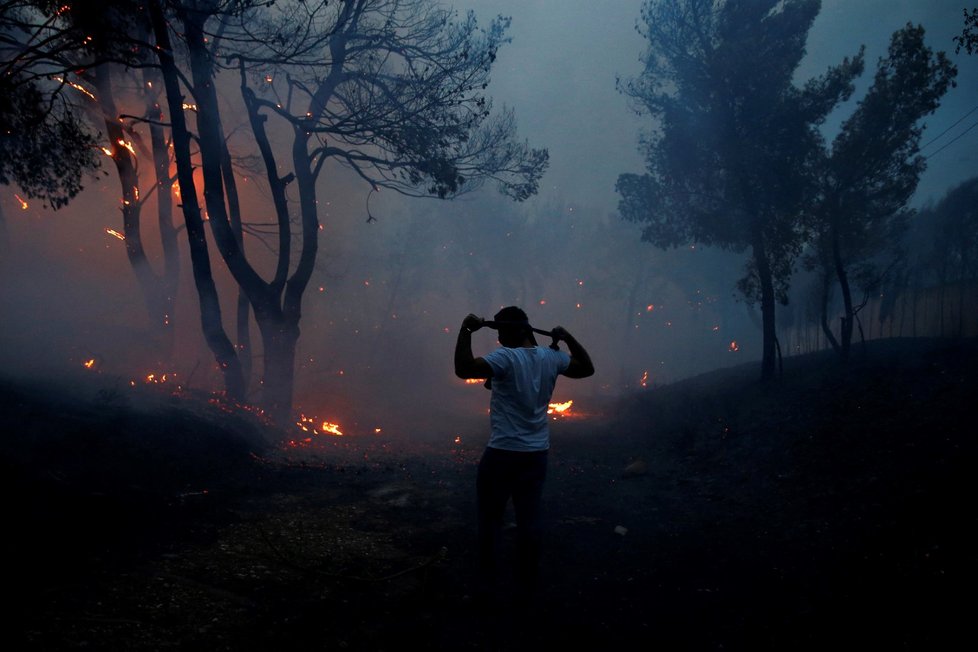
<point x="833" y="509"/>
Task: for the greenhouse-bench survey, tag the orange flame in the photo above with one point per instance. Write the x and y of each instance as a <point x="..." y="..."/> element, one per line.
<point x="307" y="424"/>
<point x="474" y="381"/>
<point x="331" y="428"/>
<point x="127" y="145"/>
<point x="559" y="408"/>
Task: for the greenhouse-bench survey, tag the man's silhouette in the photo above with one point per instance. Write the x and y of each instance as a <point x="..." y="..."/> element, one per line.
<point x="514" y="465"/>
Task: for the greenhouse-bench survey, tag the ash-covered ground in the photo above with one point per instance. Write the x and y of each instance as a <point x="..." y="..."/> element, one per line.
<point x="832" y="509"/>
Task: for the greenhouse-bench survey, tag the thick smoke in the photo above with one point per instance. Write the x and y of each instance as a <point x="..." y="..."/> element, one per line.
<point x="380" y="318"/>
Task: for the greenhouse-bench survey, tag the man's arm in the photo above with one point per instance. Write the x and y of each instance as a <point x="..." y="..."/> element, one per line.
<point x="580" y="363"/>
<point x="466" y="365"/>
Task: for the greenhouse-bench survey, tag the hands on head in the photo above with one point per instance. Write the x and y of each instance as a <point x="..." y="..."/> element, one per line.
<point x="473" y="322"/>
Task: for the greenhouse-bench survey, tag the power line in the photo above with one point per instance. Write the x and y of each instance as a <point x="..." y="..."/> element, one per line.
<point x="938" y="136"/>
<point x="952" y="141"/>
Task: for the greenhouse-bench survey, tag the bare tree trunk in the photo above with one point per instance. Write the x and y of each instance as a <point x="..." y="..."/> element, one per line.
<point x="210" y="307"/>
<point x="170" y="278"/>
<point x="824" y="321"/>
<point x="157" y="296"/>
<point x="243" y="305"/>
<point x="768" y="354"/>
<point x="845" y="334"/>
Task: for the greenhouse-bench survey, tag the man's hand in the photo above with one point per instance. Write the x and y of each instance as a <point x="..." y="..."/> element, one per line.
<point x="580" y="363"/>
<point x="559" y="334"/>
<point x="473" y="322"/>
<point x="466" y="365"/>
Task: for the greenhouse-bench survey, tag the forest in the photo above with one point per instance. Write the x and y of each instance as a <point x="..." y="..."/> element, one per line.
<point x="238" y="238"/>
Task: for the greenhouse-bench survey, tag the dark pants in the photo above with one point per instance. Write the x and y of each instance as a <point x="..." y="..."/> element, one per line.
<point x="504" y="475"/>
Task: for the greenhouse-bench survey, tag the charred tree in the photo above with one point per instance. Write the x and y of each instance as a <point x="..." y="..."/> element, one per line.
<point x="210" y="307"/>
<point x="391" y="90"/>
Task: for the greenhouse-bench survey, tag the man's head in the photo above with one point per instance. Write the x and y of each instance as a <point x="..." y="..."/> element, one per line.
<point x="514" y="327"/>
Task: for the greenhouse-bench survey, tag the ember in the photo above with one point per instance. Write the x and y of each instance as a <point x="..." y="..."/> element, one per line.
<point x="733" y="346"/>
<point x="23" y="203"/>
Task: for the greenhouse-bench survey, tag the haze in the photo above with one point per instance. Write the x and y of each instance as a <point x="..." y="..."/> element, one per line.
<point x="379" y="323"/>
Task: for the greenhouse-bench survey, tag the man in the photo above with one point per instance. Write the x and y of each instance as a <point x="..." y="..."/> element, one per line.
<point x="514" y="464"/>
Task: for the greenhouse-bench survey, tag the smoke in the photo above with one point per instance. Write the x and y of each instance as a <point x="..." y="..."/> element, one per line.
<point x="382" y="312"/>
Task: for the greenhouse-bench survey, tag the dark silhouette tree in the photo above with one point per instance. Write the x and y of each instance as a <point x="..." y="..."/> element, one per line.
<point x="734" y="139"/>
<point x="872" y="169"/>
<point x="392" y="90"/>
<point x="46" y="147"/>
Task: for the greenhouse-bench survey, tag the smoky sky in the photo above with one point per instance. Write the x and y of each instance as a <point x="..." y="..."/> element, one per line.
<point x="381" y="314"/>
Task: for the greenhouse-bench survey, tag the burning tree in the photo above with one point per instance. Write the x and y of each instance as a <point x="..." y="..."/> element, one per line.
<point x="392" y="89"/>
<point x="728" y="160"/>
<point x="45" y="147"/>
<point x="86" y="54"/>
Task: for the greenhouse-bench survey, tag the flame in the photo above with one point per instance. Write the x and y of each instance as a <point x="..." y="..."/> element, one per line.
<point x="474" y="381"/>
<point x="107" y="151"/>
<point x="559" y="408"/>
<point x="77" y="87"/>
<point x="23" y="202"/>
<point x="127" y="145"/>
<point x="308" y="424"/>
<point x="331" y="428"/>
<point x="115" y="234"/>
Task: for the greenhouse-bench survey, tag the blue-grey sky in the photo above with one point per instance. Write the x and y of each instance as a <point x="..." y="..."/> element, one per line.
<point x="559" y="75"/>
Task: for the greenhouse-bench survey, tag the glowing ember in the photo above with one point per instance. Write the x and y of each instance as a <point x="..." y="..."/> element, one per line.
<point x="458" y="440"/>
<point x="107" y="151"/>
<point x="649" y="308"/>
<point x="115" y="234"/>
<point x="733" y="346"/>
<point x="474" y="381"/>
<point x="559" y="408"/>
<point x="127" y="145"/>
<point x="77" y="87"/>
<point x="88" y="364"/>
<point x="23" y="202"/>
<point x="189" y="107"/>
<point x="645" y="379"/>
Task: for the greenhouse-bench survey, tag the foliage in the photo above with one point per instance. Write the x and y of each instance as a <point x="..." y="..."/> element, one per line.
<point x="867" y="178"/>
<point x="45" y="147"/>
<point x="733" y="141"/>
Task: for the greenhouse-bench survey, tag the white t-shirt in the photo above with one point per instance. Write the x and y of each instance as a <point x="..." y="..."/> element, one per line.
<point x="522" y="384"/>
